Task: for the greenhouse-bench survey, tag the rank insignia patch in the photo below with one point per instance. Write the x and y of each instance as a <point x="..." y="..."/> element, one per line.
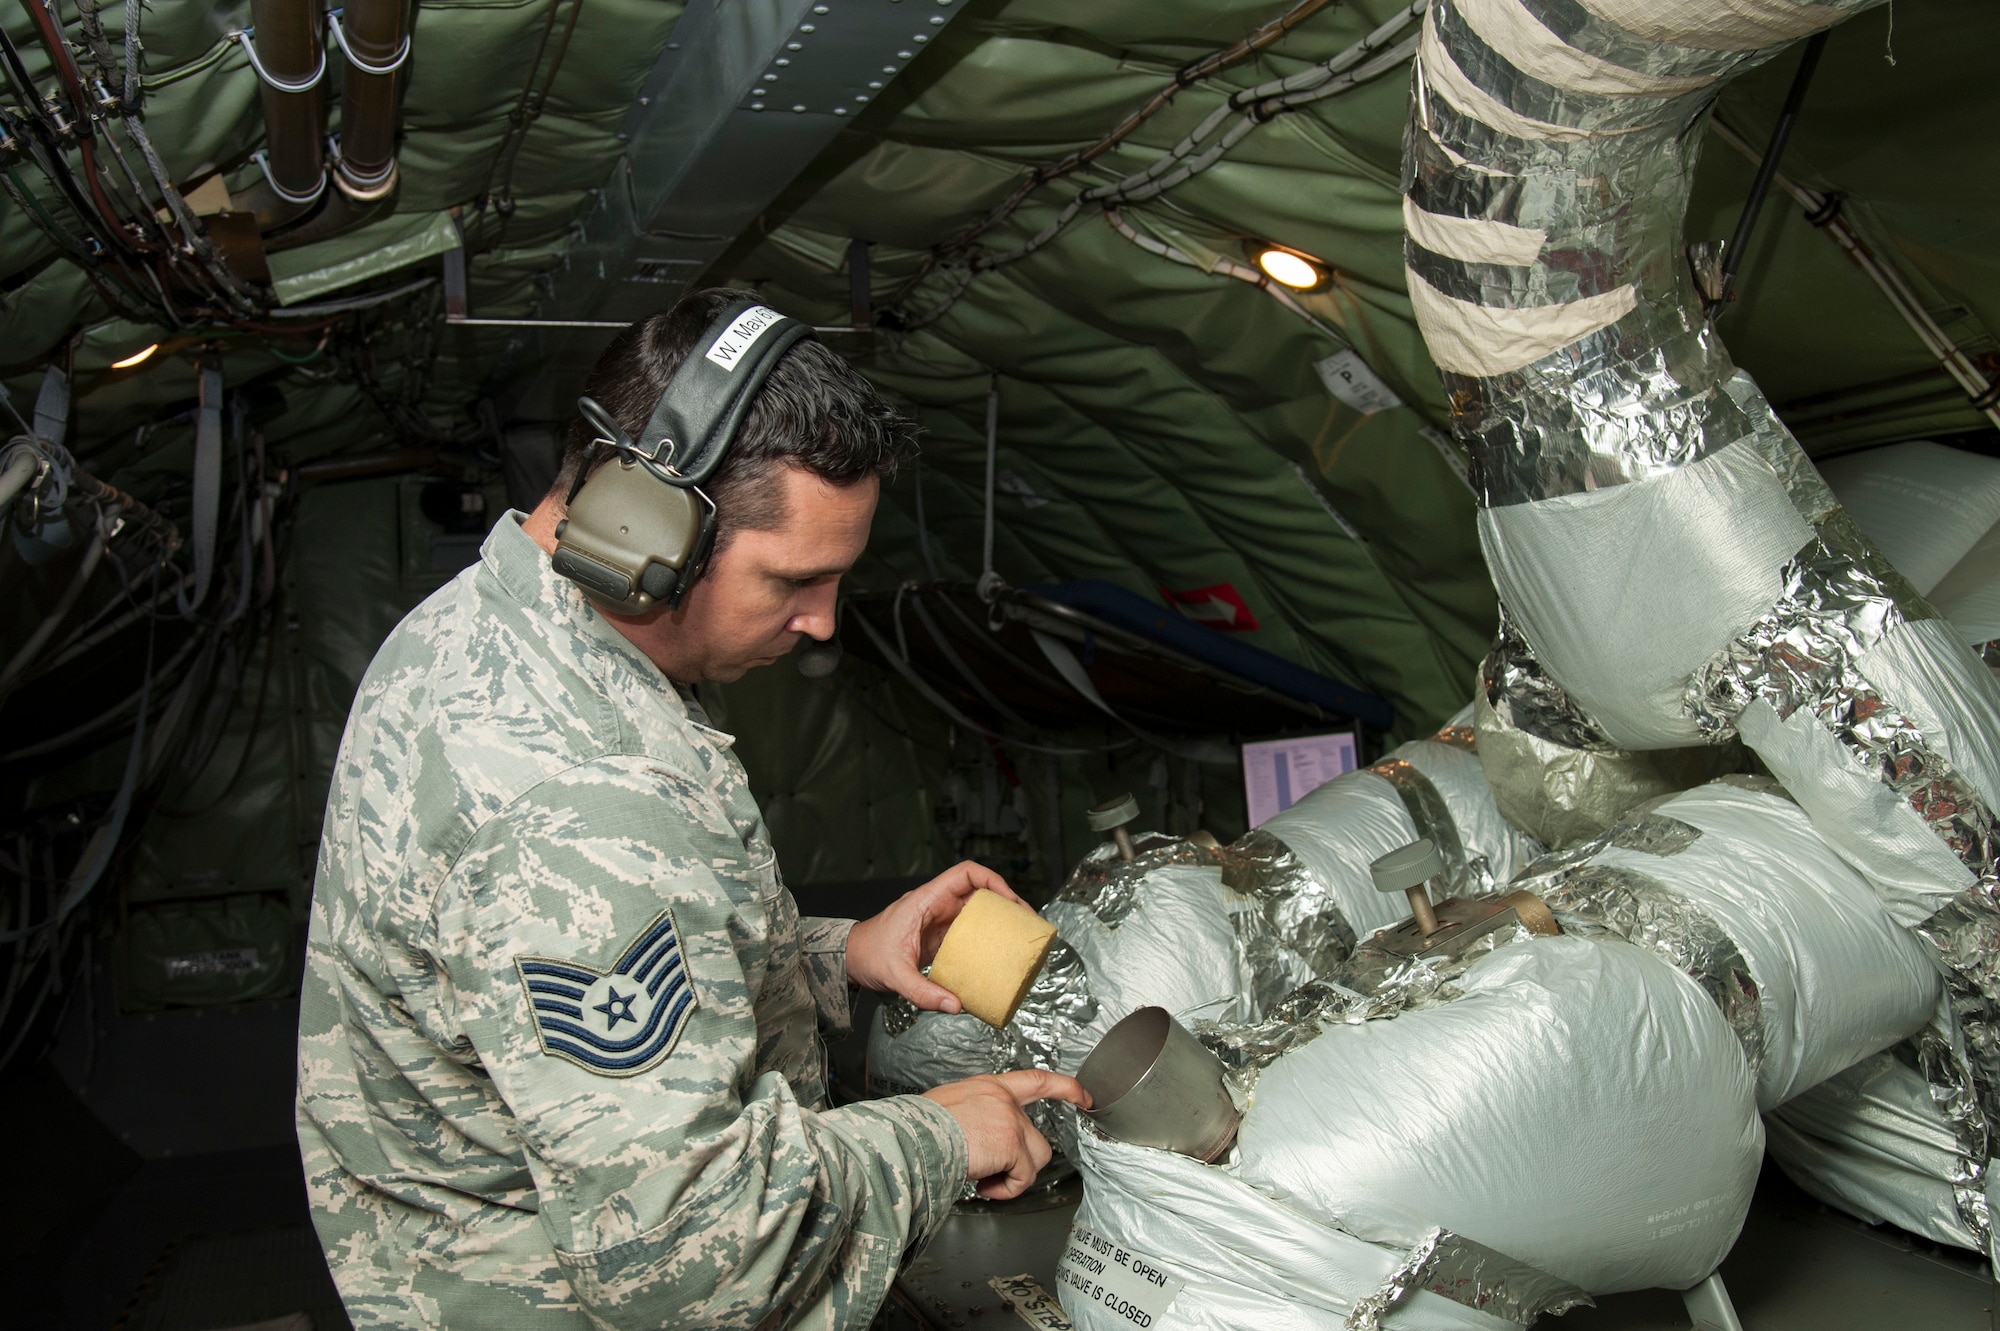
<point x="620" y="1022"/>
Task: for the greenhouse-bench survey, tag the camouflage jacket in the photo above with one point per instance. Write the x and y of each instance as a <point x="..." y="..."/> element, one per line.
<point x="558" y="1062"/>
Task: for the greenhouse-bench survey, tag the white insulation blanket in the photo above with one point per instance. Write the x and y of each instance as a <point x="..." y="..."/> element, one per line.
<point x="1338" y="829"/>
<point x="1583" y="1108"/>
<point x="1240" y="1261"/>
<point x="1935" y="511"/>
<point x="1837" y="979"/>
<point x="1175" y="949"/>
<point x="1179" y="945"/>
<point x="1871" y="1141"/>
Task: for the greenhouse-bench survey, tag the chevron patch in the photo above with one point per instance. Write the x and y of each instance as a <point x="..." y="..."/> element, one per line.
<point x="619" y="1022"/>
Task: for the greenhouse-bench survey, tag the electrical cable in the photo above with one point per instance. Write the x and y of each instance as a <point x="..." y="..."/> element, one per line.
<point x="1184" y="78"/>
<point x="249" y="741"/>
<point x="966" y="672"/>
<point x="56" y="232"/>
<point x="86" y="147"/>
<point x="110" y="715"/>
<point x="11" y="673"/>
<point x="1359" y="63"/>
<point x="999" y="650"/>
<point x="90" y="20"/>
<point x="1774" y="152"/>
<point x="527" y="110"/>
<point x="73" y="647"/>
<point x="989" y="581"/>
<point x="939" y="701"/>
<point x="923" y="527"/>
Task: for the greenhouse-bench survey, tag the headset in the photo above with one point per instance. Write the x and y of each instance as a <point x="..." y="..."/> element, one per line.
<point x="640" y="529"/>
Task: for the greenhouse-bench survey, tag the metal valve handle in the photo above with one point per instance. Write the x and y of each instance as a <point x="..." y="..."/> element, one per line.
<point x="1111" y="816"/>
<point x="1407" y="869"/>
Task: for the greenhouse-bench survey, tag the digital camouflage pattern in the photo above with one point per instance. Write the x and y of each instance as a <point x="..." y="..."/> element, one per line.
<point x="517" y="782"/>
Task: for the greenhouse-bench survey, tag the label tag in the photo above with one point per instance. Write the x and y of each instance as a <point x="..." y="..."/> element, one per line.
<point x="222" y="961"/>
<point x="1348" y="378"/>
<point x="1132" y="1287"/>
<point x="1031" y="1303"/>
<point x="727" y="350"/>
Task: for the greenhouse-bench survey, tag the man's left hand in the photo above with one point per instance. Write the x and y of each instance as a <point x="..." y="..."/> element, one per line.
<point x="888" y="952"/>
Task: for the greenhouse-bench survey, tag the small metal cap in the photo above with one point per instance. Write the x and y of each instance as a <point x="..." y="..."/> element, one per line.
<point x="1407" y="866"/>
<point x="1112" y="813"/>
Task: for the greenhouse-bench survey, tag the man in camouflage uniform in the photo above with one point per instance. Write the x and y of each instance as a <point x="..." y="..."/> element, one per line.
<point x="558" y="1056"/>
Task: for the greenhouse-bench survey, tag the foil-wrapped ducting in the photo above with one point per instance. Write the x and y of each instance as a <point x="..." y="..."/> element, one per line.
<point x="1553" y="773"/>
<point x="1661" y="543"/>
<point x="1438" y="1116"/>
<point x="1873" y="1141"/>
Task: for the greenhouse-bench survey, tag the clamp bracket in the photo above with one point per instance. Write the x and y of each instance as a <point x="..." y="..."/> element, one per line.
<point x="263" y="160"/>
<point x="364" y="65"/>
<point x="243" y="38"/>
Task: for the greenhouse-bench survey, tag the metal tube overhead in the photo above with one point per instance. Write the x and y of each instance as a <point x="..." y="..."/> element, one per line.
<point x="291" y="64"/>
<point x="374" y="38"/>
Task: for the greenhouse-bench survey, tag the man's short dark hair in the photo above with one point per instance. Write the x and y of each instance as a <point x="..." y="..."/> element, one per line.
<point x="815" y="412"/>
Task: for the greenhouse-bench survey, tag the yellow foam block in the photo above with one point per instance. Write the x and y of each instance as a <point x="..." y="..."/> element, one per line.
<point x="991" y="954"/>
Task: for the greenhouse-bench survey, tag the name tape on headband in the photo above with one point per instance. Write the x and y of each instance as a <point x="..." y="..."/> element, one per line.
<point x="729" y="347"/>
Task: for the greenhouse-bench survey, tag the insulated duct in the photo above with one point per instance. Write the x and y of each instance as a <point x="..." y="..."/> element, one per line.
<point x="1664" y="547"/>
<point x="1221" y="934"/>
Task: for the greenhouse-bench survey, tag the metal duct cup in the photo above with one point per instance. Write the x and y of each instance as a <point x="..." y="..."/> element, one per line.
<point x="1153" y="1084"/>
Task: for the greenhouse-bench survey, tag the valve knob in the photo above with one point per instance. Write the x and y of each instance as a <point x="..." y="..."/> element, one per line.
<point x="1112" y="813"/>
<point x="1406" y="869"/>
<point x="1111" y="816"/>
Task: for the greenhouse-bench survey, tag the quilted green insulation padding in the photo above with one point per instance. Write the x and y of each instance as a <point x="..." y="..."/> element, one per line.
<point x="1166" y="426"/>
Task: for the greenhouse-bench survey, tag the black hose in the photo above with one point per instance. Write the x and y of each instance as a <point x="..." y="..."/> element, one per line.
<point x="1732" y="255"/>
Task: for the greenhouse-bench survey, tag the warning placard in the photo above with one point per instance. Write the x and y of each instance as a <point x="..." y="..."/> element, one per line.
<point x="1096" y="1270"/>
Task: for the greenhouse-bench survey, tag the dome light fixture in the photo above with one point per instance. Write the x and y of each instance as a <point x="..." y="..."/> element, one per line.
<point x="139" y="357"/>
<point x="1290" y="268"/>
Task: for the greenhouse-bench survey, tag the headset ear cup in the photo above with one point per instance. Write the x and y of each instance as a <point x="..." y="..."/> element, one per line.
<point x="659" y="581"/>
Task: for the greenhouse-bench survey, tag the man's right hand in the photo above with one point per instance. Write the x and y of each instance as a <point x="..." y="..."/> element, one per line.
<point x="1005" y="1150"/>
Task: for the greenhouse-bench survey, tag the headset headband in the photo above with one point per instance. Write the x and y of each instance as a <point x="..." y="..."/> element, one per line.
<point x="698" y="415"/>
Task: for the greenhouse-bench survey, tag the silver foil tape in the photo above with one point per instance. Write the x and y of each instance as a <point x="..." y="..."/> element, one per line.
<point x="1524" y="698"/>
<point x="1295" y="913"/>
<point x="1109" y="884"/>
<point x="1955" y="1094"/>
<point x="1563" y="795"/>
<point x="1468" y="872"/>
<point x="1052" y="1015"/>
<point x="1472" y="1274"/>
<point x="1840" y="599"/>
<point x="1392" y="982"/>
<point x="1649" y="831"/>
<point x="1369" y="986"/>
<point x="1655" y="391"/>
<point x="1602" y="898"/>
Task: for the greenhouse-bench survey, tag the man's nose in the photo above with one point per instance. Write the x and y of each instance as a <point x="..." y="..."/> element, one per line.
<point x="814" y="614"/>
